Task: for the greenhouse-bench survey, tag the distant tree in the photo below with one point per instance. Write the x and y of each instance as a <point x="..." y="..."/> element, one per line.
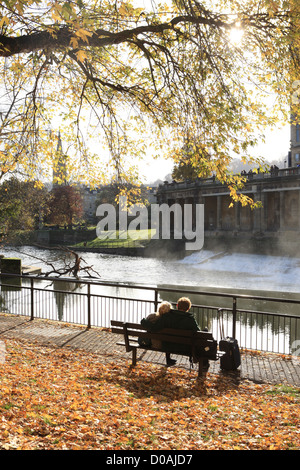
<point x="65" y="206"/>
<point x="183" y="171"/>
<point x="193" y="162"/>
<point x="23" y="205"/>
<point x="110" y="193"/>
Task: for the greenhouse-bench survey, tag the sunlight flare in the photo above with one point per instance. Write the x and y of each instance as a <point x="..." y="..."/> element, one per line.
<point x="236" y="34"/>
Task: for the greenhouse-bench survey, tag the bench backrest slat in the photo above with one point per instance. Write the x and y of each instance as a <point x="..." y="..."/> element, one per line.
<point x="167" y="334"/>
<point x="121" y="324"/>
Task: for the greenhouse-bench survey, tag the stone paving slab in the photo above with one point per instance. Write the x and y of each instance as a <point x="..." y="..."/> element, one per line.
<point x="261" y="368"/>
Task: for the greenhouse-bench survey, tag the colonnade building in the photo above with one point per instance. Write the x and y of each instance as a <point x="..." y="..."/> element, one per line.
<point x="278" y="191"/>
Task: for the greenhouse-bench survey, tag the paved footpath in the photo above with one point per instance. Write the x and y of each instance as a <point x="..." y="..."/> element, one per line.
<point x="260" y="368"/>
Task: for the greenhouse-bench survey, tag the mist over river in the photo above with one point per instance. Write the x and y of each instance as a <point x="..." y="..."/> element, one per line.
<point x="207" y="269"/>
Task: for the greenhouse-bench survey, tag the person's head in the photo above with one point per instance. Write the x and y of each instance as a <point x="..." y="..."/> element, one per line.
<point x="164" y="307"/>
<point x="184" y="304"/>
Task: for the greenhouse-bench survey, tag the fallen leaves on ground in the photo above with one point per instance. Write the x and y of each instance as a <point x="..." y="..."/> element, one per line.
<point x="64" y="399"/>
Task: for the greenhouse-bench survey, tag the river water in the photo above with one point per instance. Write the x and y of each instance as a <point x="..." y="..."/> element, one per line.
<point x="237" y="271"/>
<point x="207" y="271"/>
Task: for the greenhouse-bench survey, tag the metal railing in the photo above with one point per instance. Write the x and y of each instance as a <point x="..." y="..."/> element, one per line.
<point x="260" y="323"/>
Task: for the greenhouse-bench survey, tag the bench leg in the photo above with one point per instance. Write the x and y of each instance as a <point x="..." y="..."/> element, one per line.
<point x="134" y="357"/>
<point x="200" y="367"/>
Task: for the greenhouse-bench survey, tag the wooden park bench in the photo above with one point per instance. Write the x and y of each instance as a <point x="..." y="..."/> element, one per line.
<point x="197" y="344"/>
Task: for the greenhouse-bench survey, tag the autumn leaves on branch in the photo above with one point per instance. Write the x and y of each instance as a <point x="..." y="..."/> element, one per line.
<point x="164" y="77"/>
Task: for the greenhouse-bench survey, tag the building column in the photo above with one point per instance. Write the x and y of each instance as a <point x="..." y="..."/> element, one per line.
<point x="238" y="216"/>
<point x="256" y="216"/>
<point x="281" y="210"/>
<point x="219" y="212"/>
<point x="264" y="212"/>
<point x="177" y="230"/>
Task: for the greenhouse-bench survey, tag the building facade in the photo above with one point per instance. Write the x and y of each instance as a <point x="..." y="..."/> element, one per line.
<point x="294" y="155"/>
<point x="278" y="191"/>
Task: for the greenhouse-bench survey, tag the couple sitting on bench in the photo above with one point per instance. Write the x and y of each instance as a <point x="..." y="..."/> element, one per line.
<point x="166" y="317"/>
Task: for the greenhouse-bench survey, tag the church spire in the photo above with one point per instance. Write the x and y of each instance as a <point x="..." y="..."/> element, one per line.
<point x="59" y="168"/>
<point x="59" y="143"/>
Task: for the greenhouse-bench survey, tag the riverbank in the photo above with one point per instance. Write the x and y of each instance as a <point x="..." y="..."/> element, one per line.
<point x="85" y="240"/>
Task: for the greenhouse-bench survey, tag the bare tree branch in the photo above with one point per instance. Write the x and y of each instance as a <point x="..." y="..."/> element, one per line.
<point x="71" y="267"/>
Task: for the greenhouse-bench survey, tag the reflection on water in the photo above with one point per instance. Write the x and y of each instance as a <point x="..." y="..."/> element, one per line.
<point x="203" y="271"/>
<point x="259" y="301"/>
<point x="60" y="292"/>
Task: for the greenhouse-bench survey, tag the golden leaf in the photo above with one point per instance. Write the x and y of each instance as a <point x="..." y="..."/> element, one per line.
<point x="81" y="55"/>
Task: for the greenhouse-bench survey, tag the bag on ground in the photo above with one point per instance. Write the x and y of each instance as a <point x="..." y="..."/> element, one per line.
<point x="231" y="360"/>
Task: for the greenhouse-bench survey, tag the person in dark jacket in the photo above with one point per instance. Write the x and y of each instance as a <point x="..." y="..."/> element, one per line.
<point x="180" y="319"/>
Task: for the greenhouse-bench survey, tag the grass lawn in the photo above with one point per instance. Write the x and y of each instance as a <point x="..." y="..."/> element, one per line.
<point x="125" y="239"/>
<point x="58" y="398"/>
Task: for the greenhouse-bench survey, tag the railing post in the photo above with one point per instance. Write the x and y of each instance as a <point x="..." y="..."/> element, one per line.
<point x="234" y="317"/>
<point x="155" y="300"/>
<point x="89" y="306"/>
<point x="31" y="299"/>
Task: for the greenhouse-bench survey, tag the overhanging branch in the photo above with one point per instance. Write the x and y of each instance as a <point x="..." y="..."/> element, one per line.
<point x="60" y="38"/>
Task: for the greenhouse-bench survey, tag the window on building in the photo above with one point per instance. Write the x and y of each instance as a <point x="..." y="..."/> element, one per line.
<point x="297" y="157"/>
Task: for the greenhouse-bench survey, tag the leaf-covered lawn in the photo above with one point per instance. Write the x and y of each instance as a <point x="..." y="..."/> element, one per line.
<point x="65" y="399"/>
